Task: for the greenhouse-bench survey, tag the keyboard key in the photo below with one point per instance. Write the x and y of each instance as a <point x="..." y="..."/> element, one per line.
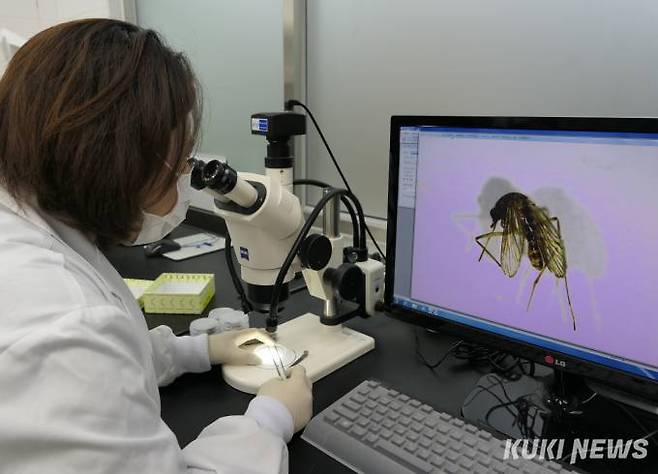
<point x="331" y="416"/>
<point x="360" y="399"/>
<point x="456" y="435"/>
<point x="426" y="408"/>
<point x="445" y="429"/>
<point x="386" y="434"/>
<point x="437" y="461"/>
<point x="374" y="427"/>
<point x="412" y="436"/>
<point x="425" y="442"/>
<point x="381" y="410"/>
<point x="406" y="411"/>
<point x="403" y="398"/>
<point x="370" y="438"/>
<point x="467" y="464"/>
<point x="345" y="413"/>
<point x="344" y="424"/>
<point x="384" y="400"/>
<point x="411" y="446"/>
<point x="417" y="427"/>
<point x="439" y="449"/>
<point x="429" y="433"/>
<point x="371" y="405"/>
<point x="388" y="423"/>
<point x="366" y="412"/>
<point x="405" y="456"/>
<point x="358" y="431"/>
<point x="398" y="440"/>
<point x="399" y="429"/>
<point x="423" y="454"/>
<point x="352" y="406"/>
<point x="451" y="468"/>
<point x="414" y="403"/>
<point x="363" y="422"/>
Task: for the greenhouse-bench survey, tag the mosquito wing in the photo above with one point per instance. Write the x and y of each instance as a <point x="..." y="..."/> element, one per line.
<point x="512" y="247"/>
<point x="549" y="241"/>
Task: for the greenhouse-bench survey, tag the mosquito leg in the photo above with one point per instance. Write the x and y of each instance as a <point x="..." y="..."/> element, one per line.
<point x="566" y="284"/>
<point x="534" y="285"/>
<point x="488" y="236"/>
<point x="573" y="316"/>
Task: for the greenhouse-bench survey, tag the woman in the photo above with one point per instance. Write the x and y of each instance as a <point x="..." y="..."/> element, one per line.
<point x="97" y="119"/>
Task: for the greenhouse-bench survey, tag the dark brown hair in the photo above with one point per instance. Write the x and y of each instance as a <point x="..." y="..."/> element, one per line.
<point x="90" y="111"/>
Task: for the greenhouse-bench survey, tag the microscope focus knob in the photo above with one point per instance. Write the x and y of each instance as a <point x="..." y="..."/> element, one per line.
<point x="346" y="280"/>
<point x="315" y="252"/>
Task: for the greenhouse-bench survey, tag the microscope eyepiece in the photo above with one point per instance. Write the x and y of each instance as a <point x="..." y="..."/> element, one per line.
<point x="197" y="174"/>
<point x="219" y="176"/>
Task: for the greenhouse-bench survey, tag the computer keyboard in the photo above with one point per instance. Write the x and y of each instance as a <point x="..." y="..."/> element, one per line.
<point x="374" y="429"/>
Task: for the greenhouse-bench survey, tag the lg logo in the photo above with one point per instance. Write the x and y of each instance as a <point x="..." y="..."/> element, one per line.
<point x="550" y="360"/>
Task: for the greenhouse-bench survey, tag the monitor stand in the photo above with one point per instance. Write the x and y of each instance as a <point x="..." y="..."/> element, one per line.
<point x="552" y="403"/>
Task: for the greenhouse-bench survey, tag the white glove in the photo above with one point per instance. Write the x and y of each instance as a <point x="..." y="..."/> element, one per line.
<point x="295" y="393"/>
<point x="229" y="347"/>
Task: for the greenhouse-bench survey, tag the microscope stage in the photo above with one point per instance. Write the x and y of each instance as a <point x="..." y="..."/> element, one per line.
<point x="329" y="348"/>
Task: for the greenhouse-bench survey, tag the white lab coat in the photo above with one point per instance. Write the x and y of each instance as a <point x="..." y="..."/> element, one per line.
<point x="79" y="371"/>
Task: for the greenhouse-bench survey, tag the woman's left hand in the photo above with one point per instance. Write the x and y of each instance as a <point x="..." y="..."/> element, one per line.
<point x="231" y="347"/>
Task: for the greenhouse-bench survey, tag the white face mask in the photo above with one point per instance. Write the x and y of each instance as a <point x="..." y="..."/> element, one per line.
<point x="156" y="227"/>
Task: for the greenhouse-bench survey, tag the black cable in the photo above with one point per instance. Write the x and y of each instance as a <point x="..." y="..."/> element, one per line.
<point x="228" y="253"/>
<point x="441" y="360"/>
<point x="272" y="319"/>
<point x="346" y="202"/>
<point x="291" y="103"/>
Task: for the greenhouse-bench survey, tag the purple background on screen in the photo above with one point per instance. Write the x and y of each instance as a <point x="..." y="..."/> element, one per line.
<point x="606" y="197"/>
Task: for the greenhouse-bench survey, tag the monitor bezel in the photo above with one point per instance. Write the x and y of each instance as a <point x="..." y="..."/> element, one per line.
<point x="617" y="378"/>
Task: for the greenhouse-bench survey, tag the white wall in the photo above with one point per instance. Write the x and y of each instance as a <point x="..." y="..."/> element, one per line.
<point x="27" y="17"/>
<point x="371" y="59"/>
<point x="236" y="49"/>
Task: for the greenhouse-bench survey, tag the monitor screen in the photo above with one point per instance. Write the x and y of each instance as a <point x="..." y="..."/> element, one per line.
<point x="486" y="216"/>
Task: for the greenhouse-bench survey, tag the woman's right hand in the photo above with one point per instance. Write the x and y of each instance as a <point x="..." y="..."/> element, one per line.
<point x="295" y="393"/>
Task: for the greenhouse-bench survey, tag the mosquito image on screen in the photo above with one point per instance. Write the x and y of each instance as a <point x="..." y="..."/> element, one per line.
<point x="524" y="223"/>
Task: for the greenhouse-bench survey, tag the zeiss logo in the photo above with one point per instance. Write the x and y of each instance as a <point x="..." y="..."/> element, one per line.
<point x="244" y="253"/>
<point x="582" y="449"/>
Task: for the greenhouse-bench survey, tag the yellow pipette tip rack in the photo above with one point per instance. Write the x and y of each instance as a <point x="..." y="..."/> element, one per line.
<point x="179" y="293"/>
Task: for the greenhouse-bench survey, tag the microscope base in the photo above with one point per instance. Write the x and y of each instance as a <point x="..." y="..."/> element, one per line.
<point x="329" y="348"/>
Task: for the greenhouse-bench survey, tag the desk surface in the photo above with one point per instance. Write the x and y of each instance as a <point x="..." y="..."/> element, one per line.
<point x="195" y="400"/>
